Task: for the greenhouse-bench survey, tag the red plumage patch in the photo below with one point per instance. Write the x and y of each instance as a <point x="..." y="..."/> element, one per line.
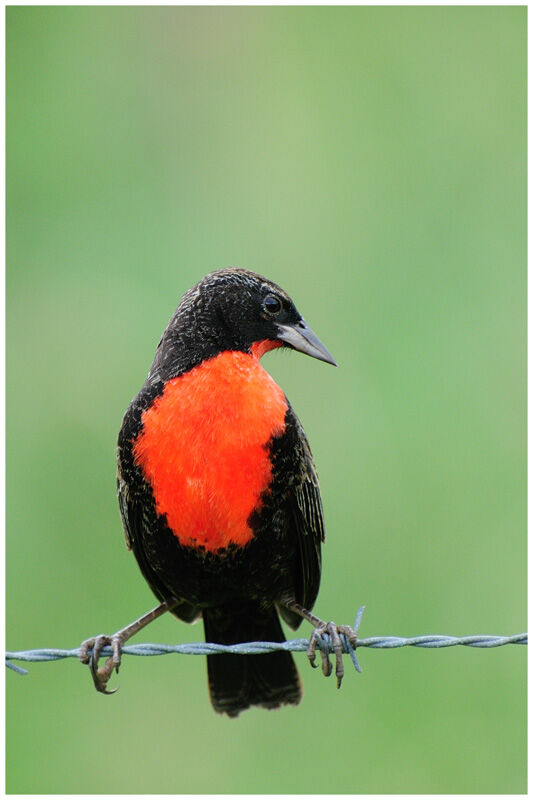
<point x="260" y="348"/>
<point x="202" y="447"/>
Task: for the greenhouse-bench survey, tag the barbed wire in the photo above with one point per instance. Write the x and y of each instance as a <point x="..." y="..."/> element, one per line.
<point x="255" y="648"/>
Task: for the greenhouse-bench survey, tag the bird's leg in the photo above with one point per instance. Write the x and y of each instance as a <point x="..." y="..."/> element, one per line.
<point x="334" y="631"/>
<point x="91" y="648"/>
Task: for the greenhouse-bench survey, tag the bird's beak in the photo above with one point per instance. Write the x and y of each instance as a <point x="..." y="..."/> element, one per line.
<point x="301" y="337"/>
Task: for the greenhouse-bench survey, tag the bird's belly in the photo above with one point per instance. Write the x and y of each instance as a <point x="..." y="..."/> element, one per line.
<point x="203" y="448"/>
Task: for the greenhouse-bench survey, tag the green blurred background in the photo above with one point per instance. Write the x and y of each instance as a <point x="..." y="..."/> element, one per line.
<point x="373" y="162"/>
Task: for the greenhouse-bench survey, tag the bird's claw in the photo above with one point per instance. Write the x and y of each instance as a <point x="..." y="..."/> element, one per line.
<point x="334" y="632"/>
<point x="89" y="653"/>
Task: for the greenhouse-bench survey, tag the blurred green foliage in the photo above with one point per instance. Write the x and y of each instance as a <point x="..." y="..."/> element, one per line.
<point x="373" y="162"/>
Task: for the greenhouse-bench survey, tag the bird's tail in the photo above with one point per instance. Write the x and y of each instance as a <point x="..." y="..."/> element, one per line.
<point x="237" y="682"/>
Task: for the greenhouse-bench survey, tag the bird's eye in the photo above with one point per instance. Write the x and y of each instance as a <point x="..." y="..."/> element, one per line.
<point x="272" y="304"/>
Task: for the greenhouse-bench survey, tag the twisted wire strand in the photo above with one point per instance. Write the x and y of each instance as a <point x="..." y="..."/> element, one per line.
<point x="255" y="648"/>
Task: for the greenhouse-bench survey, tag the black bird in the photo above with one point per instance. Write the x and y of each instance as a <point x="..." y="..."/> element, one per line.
<point x="218" y="491"/>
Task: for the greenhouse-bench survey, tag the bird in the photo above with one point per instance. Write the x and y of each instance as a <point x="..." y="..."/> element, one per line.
<point x="218" y="492"/>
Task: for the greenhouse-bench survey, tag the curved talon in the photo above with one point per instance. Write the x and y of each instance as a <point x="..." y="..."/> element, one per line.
<point x="100" y="682"/>
<point x="311" y="649"/>
<point x="326" y="663"/>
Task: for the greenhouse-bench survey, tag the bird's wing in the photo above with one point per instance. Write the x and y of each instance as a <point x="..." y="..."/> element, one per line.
<point x="305" y="520"/>
<point x="131" y="511"/>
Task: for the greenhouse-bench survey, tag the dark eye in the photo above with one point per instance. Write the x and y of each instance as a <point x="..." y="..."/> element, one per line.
<point x="272" y="304"/>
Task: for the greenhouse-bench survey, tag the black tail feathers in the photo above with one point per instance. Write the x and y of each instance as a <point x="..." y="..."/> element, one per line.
<point x="238" y="682"/>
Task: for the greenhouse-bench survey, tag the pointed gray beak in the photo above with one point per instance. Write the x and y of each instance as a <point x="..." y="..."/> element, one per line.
<point x="301" y="337"/>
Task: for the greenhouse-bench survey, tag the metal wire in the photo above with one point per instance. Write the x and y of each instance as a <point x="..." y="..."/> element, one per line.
<point x="254" y="648"/>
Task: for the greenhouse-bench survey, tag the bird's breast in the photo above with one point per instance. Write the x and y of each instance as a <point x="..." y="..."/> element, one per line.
<point x="203" y="447"/>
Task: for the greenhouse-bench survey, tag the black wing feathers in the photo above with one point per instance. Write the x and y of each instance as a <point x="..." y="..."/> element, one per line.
<point x="305" y="521"/>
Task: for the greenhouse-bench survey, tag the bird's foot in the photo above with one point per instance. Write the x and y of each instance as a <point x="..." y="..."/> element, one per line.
<point x="336" y="634"/>
<point x="90" y="651"/>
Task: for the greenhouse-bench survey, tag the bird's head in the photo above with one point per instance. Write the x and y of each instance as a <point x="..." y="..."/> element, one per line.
<point x="235" y="309"/>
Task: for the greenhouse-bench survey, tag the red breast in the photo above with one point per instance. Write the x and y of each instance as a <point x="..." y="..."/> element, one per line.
<point x="202" y="447"/>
